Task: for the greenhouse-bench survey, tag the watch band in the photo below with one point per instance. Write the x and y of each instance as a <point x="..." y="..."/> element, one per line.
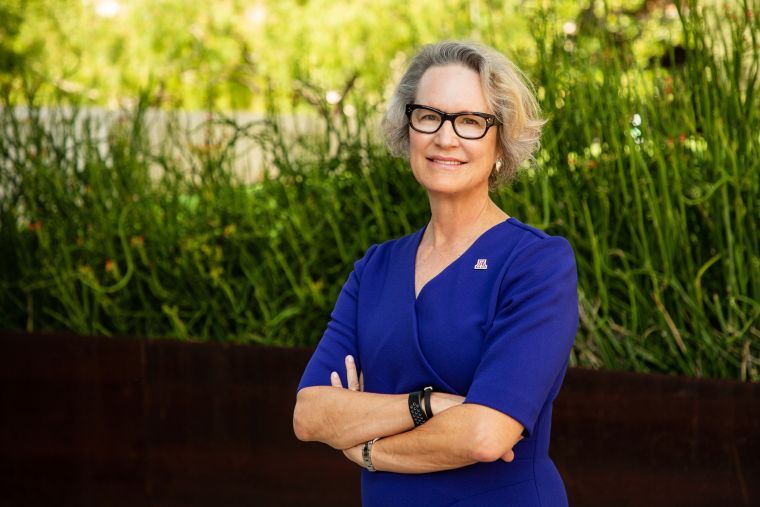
<point x="428" y="409"/>
<point x="418" y="416"/>
<point x="367" y="454"/>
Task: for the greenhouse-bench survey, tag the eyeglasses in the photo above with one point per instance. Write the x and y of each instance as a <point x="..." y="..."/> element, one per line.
<point x="469" y="125"/>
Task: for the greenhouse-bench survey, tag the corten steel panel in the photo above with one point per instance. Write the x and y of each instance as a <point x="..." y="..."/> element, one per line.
<point x="628" y="439"/>
<point x="132" y="421"/>
<point x="72" y="421"/>
<point x="221" y="416"/>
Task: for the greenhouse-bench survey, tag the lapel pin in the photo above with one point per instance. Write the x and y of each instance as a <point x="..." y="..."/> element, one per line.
<point x="481" y="264"/>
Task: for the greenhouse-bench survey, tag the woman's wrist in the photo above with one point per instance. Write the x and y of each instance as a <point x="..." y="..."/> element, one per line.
<point x="441" y="401"/>
<point x="376" y="458"/>
<point x="437" y="402"/>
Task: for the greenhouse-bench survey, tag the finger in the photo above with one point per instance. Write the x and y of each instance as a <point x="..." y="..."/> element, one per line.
<point x="361" y="381"/>
<point x="351" y="378"/>
<point x="335" y="379"/>
<point x="509" y="456"/>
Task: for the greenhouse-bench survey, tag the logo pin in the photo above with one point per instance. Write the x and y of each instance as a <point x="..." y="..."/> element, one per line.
<point x="481" y="264"/>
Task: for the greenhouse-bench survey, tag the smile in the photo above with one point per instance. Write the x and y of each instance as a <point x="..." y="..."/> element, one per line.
<point x="446" y="162"/>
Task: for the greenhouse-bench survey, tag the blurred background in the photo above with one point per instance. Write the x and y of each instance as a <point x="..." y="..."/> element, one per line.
<point x="209" y="171"/>
<point x="185" y="186"/>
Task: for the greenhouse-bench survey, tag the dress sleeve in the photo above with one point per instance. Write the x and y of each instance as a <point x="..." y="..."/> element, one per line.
<point x="339" y="339"/>
<point x="532" y="333"/>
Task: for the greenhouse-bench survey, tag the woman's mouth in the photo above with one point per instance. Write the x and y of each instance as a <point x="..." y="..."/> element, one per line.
<point x="447" y="162"/>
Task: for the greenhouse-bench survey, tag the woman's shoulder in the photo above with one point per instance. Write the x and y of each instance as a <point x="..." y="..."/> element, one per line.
<point x="395" y="245"/>
<point x="381" y="253"/>
<point x="530" y="247"/>
<point x="522" y="228"/>
<point x="529" y="236"/>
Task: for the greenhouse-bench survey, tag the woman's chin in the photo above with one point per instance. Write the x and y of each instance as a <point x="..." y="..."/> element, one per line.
<point x="444" y="185"/>
<point x="445" y="180"/>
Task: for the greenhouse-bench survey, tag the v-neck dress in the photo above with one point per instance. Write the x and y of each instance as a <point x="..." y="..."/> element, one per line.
<point x="495" y="326"/>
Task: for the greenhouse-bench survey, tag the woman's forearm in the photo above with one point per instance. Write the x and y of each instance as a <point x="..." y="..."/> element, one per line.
<point x="343" y="418"/>
<point x="450" y="440"/>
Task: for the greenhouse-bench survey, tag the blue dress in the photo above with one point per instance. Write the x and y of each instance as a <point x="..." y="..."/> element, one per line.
<point x="496" y="326"/>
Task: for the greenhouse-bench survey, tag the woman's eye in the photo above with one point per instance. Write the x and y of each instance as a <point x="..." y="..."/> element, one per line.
<point x="429" y="117"/>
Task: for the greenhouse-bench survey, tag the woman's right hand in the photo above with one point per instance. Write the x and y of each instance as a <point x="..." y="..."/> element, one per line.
<point x="355" y="382"/>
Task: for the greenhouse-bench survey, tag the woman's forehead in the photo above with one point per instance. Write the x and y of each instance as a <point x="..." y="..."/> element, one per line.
<point x="452" y="88"/>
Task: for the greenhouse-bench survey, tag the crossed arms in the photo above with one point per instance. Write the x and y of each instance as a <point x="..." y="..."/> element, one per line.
<point x="458" y="435"/>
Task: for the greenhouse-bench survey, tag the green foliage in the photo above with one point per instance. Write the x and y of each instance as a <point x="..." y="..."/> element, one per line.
<point x="653" y="175"/>
<point x="651" y="169"/>
<point x="11" y="59"/>
<point x="226" y="54"/>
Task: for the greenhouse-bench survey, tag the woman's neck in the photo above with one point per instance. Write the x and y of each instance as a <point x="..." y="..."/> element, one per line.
<point x="454" y="221"/>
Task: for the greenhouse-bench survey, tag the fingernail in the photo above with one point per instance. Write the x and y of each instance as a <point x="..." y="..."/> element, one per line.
<point x="334" y="374"/>
<point x="350" y="359"/>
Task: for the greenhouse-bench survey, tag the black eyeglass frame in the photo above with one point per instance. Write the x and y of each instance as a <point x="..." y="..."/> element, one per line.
<point x="491" y="119"/>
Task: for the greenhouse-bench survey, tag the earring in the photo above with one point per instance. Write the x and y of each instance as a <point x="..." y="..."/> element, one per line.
<point x="498" y="165"/>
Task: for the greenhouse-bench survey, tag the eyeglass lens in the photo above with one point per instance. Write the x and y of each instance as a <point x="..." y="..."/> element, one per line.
<point x="466" y="125"/>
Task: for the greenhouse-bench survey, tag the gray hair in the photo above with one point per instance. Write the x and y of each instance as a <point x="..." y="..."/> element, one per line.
<point x="505" y="86"/>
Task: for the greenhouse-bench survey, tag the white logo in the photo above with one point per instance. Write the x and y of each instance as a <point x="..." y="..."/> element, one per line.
<point x="481" y="264"/>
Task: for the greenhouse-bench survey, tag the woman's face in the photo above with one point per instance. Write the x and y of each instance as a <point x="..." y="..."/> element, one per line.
<point x="443" y="162"/>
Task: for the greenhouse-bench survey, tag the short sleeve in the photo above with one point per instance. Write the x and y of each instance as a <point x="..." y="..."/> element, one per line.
<point x="532" y="333"/>
<point x="339" y="339"/>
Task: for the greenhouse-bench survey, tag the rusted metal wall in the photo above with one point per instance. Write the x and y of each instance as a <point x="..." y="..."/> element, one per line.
<point x="132" y="421"/>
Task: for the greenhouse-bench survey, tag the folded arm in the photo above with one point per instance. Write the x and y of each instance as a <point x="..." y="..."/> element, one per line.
<point x="460" y="436"/>
<point x="342" y="418"/>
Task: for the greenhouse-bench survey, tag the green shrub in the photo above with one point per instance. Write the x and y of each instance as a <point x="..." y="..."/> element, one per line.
<point x="652" y="172"/>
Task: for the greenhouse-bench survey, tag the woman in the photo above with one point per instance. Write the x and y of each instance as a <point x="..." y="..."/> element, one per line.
<point x="475" y="304"/>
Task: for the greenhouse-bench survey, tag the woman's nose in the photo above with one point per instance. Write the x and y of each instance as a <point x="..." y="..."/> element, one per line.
<point x="446" y="135"/>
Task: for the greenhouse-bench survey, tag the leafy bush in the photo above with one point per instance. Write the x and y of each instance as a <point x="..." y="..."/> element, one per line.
<point x="652" y="173"/>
